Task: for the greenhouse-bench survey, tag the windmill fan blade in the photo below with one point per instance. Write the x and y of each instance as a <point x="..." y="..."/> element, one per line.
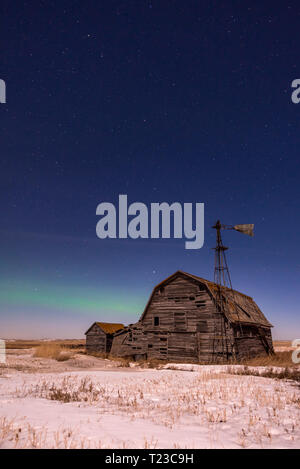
<point x="246" y="229"/>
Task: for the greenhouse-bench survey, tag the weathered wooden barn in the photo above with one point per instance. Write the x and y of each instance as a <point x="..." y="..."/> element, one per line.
<point x="99" y="336"/>
<point x="182" y="321"/>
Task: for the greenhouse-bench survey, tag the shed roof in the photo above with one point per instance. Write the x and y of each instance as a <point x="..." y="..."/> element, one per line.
<point x="108" y="327"/>
<point x="241" y="308"/>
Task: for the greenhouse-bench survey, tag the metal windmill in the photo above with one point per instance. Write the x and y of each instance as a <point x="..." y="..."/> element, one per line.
<point x="222" y="280"/>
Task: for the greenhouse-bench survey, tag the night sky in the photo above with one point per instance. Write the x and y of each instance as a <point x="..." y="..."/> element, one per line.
<point x="164" y="101"/>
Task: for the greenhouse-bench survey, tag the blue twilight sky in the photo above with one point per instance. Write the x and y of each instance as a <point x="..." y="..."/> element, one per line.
<point x="162" y="101"/>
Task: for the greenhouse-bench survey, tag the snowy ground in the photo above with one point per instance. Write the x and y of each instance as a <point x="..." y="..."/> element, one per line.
<point x="92" y="403"/>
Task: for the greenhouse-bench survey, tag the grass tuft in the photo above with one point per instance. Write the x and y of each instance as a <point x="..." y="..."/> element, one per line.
<point x="280" y="359"/>
<point x="286" y="373"/>
<point x="53" y="351"/>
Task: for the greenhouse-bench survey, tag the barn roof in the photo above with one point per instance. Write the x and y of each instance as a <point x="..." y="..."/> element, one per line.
<point x="128" y="328"/>
<point x="241" y="308"/>
<point x="108" y="327"/>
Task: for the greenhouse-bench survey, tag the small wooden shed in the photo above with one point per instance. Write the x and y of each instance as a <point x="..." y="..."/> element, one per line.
<point x="100" y="335"/>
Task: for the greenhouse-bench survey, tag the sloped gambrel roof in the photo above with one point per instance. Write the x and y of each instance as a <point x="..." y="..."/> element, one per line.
<point x="241" y="308"/>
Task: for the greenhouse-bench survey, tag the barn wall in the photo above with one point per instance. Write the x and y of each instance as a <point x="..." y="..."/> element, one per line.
<point x="268" y="333"/>
<point x="96" y="340"/>
<point x="109" y="341"/>
<point x="180" y="306"/>
<point x="130" y="342"/>
<point x="181" y="323"/>
<point x="187" y="316"/>
<point x="119" y="348"/>
<point x="249" y="347"/>
<point x="256" y="342"/>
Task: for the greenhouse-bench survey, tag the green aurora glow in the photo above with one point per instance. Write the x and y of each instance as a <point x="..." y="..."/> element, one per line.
<point x="83" y="301"/>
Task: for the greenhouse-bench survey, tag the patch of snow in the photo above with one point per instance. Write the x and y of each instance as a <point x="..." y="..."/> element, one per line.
<point x="60" y="405"/>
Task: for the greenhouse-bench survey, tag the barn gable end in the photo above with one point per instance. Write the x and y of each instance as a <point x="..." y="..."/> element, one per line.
<point x="180" y="320"/>
<point x="178" y="305"/>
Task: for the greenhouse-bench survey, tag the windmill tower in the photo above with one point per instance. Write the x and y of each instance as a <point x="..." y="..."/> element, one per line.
<point x="222" y="341"/>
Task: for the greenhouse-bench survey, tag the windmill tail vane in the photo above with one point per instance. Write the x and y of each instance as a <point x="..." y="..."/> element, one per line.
<point x="247" y="229"/>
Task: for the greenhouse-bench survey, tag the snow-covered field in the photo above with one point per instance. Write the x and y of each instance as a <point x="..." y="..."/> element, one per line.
<point x="87" y="402"/>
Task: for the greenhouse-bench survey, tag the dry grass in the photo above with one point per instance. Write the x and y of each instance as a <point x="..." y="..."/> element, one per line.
<point x="103" y="355"/>
<point x="286" y="373"/>
<point x="48" y="351"/>
<point x="76" y="344"/>
<point x="279" y="359"/>
<point x="254" y="410"/>
<point x="282" y="343"/>
<point x="282" y="359"/>
<point x="53" y="351"/>
<point x="124" y="362"/>
<point x="64" y="356"/>
<point x="121" y="362"/>
<point x="28" y="437"/>
<point x="84" y="391"/>
<point x="212" y="398"/>
<point x="154" y="363"/>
